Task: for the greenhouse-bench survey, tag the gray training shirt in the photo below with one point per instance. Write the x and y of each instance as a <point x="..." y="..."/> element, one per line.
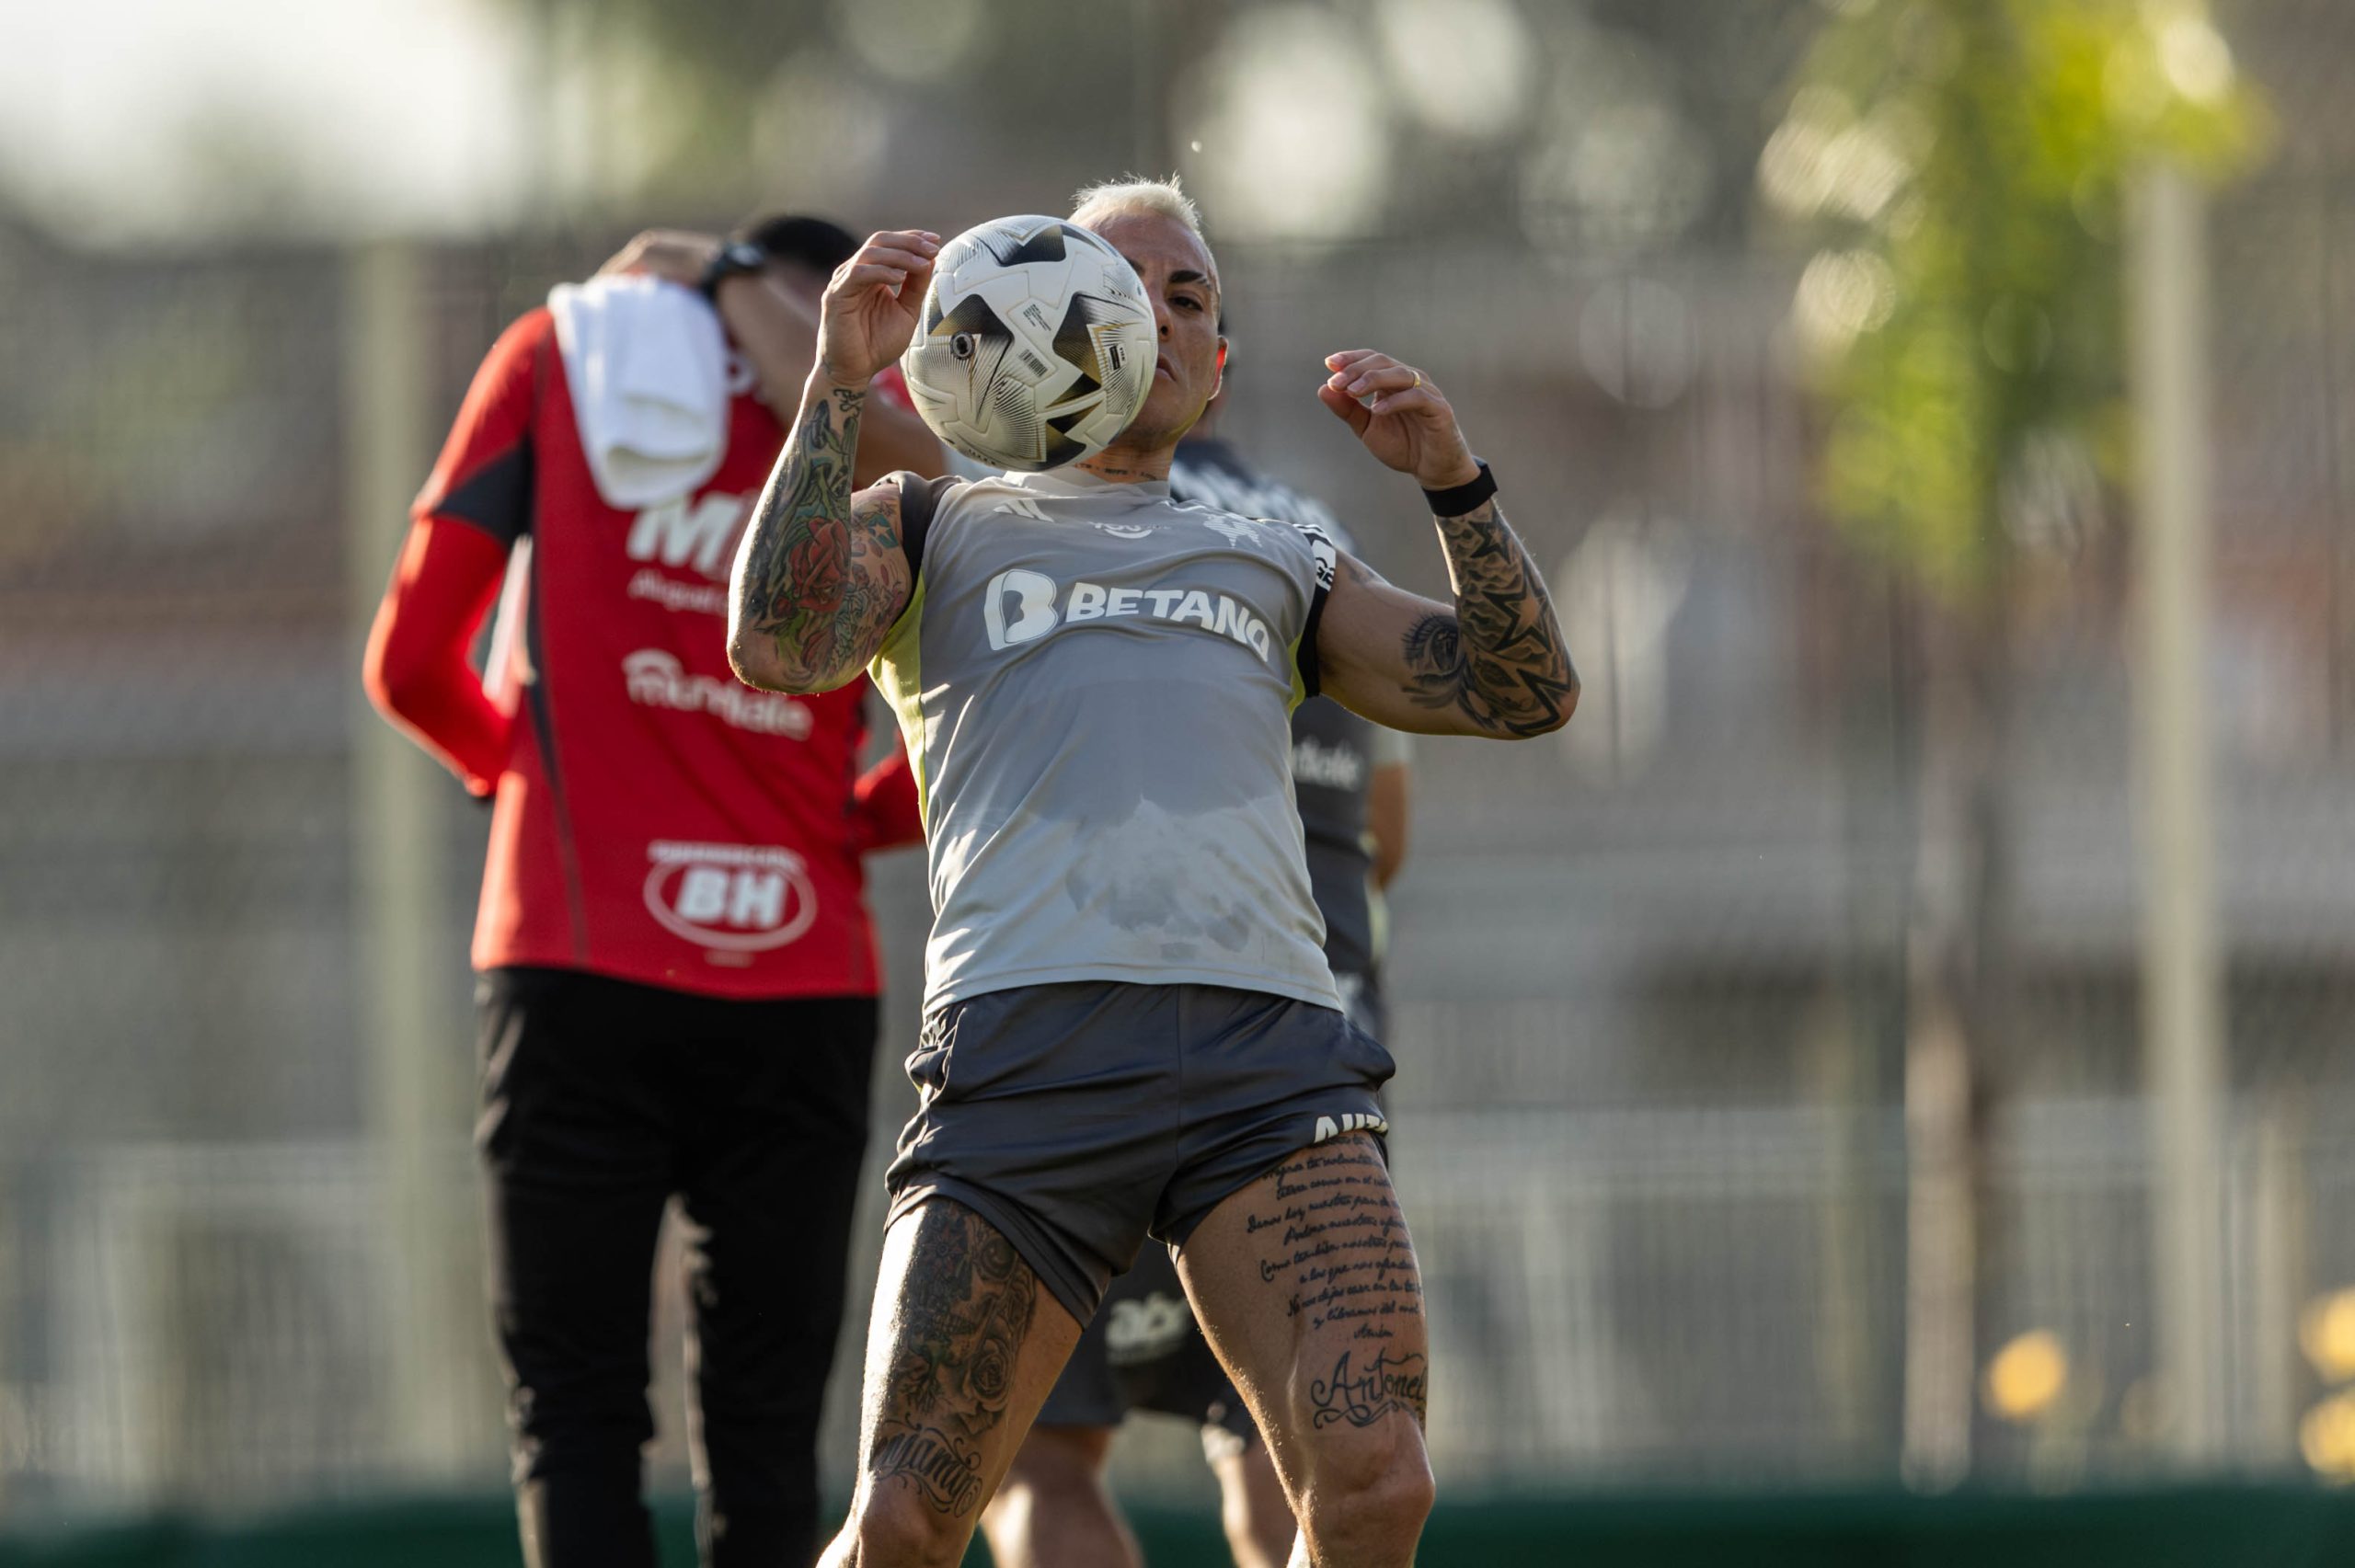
<point x="1334" y="752"/>
<point x="1094" y="683"/>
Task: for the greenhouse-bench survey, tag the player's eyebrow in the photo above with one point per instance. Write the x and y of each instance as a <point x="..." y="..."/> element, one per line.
<point x="1187" y="275"/>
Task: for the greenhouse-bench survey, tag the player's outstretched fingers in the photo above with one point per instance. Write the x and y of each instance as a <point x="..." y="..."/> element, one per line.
<point x="1305" y="1284"/>
<point x="898" y="248"/>
<point x="1417" y="394"/>
<point x="1394" y="389"/>
<point x="1390" y="377"/>
<point x="871" y="305"/>
<point x="1348" y="409"/>
<point x="855" y="276"/>
<point x="889" y="257"/>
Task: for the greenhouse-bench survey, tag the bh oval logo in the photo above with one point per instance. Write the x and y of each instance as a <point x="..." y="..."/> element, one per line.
<point x="736" y="898"/>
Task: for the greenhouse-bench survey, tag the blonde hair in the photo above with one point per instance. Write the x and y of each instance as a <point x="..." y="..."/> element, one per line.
<point x="1163" y="198"/>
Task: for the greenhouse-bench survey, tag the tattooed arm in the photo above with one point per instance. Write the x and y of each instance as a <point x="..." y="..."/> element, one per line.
<point x="819" y="574"/>
<point x="1494" y="663"/>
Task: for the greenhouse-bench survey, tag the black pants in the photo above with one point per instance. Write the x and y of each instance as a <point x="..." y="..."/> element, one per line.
<point x="600" y="1101"/>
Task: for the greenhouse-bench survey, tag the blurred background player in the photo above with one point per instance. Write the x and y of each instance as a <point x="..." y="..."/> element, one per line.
<point x="678" y="978"/>
<point x="1143" y="1351"/>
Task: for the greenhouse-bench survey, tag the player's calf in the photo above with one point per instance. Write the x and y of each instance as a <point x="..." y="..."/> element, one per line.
<point x="1253" y="1510"/>
<point x="1052" y="1511"/>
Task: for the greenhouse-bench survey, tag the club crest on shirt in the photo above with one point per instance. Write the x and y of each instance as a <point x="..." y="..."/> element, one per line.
<point x="1237" y="530"/>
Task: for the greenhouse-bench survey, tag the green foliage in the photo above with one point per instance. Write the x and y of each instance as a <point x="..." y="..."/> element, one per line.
<point x="1963" y="166"/>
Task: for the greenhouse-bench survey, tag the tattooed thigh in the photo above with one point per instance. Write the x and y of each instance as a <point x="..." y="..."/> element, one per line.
<point x="1327" y="1235"/>
<point x="965" y="1308"/>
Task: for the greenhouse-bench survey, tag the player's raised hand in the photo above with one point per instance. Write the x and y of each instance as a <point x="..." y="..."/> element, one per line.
<point x="1402" y="418"/>
<point x="869" y="312"/>
<point x="674" y="254"/>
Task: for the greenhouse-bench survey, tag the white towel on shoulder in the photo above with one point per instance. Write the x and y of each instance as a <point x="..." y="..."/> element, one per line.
<point x="647" y="368"/>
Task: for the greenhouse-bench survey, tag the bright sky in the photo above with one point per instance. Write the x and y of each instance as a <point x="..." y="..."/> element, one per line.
<point x="118" y="118"/>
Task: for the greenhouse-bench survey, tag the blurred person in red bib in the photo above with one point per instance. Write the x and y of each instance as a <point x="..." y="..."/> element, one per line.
<point x="677" y="992"/>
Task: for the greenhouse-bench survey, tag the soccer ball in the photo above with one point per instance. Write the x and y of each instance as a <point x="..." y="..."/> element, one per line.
<point x="1037" y="344"/>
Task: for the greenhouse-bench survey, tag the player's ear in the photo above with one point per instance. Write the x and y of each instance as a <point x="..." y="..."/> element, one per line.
<point x="1220" y="381"/>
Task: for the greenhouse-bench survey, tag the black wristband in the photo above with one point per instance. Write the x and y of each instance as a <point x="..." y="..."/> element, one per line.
<point x="730" y="260"/>
<point x="1465" y="497"/>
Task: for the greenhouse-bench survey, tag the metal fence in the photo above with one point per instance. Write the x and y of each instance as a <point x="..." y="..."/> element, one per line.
<point x="1615" y="1296"/>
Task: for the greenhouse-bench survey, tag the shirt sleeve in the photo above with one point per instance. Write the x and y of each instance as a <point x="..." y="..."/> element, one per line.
<point x="484" y="476"/>
<point x="1327" y="559"/>
<point x="886" y="813"/>
<point x="416" y="669"/>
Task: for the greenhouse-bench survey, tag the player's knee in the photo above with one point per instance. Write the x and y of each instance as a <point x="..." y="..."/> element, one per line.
<point x="1378" y="1488"/>
<point x="896" y="1528"/>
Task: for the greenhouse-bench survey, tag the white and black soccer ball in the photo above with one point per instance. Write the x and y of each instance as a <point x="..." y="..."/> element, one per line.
<point x="1035" y="346"/>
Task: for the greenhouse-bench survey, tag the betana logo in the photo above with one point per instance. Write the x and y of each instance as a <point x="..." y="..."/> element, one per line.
<point x="735" y="898"/>
<point x="1019" y="607"/>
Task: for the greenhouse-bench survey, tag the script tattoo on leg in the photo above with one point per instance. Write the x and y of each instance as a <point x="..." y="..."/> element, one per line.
<point x="965" y="1308"/>
<point x="1332" y="1238"/>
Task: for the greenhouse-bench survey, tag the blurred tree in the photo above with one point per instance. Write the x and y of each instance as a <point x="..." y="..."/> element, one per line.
<point x="1962" y="164"/>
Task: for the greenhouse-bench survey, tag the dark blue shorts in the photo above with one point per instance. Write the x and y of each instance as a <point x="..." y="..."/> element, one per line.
<point x="1080" y="1118"/>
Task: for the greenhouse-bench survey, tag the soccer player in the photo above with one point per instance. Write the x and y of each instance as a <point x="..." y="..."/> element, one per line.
<point x="1130" y="1029"/>
<point x="678" y="979"/>
<point x="1143" y="1351"/>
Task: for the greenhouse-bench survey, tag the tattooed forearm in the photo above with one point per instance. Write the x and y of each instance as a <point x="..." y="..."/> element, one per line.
<point x="1500" y="657"/>
<point x="818" y="579"/>
<point x="964" y="1311"/>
